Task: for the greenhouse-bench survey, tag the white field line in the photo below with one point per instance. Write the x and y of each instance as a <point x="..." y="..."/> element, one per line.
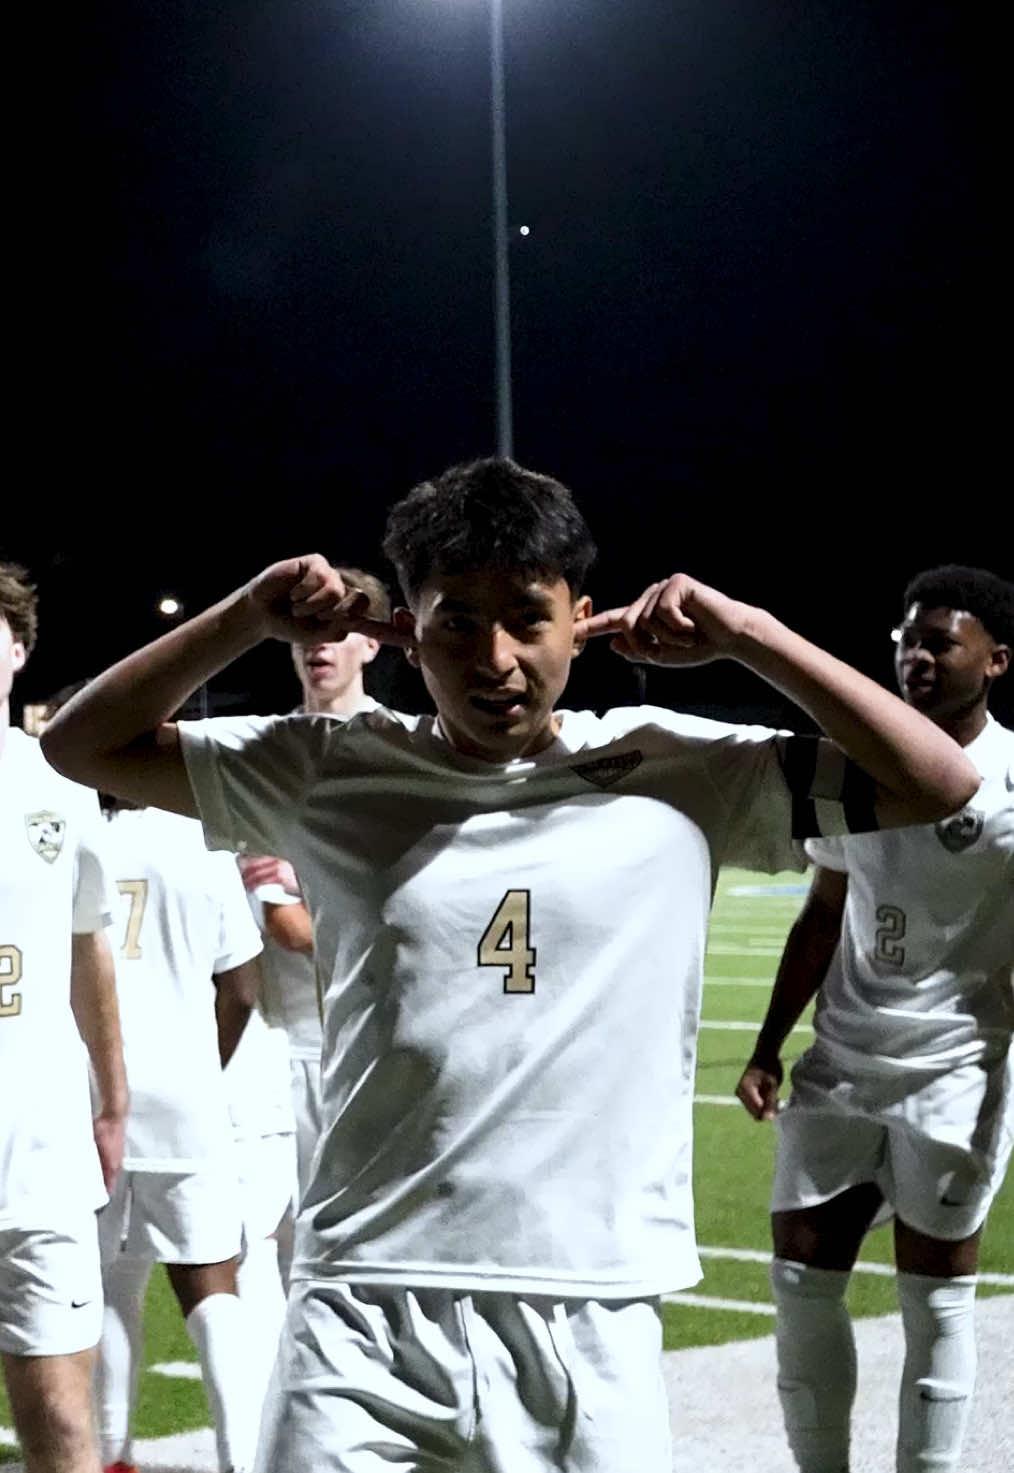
<point x="739" y="982"/>
<point x="862" y="1266"/>
<point x="709" y="1301"/>
<point x="749" y="1027"/>
<point x="186" y="1370"/>
<point x="715" y="1100"/>
<point x="721" y="949"/>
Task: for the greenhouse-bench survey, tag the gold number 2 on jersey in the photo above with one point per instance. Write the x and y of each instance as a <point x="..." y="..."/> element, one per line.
<point x="10" y="976"/>
<point x="138" y="892"/>
<point x="505" y="942"/>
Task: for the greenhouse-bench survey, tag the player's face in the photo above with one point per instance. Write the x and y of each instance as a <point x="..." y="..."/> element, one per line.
<point x="327" y="670"/>
<point x="12" y="658"/>
<point x="495" y="653"/>
<point x="945" y="660"/>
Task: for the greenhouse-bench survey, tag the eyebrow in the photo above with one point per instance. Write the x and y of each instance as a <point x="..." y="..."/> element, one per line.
<point x="524" y="601"/>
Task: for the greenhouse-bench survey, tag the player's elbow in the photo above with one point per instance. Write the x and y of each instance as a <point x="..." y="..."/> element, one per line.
<point x="64" y="752"/>
<point x="952" y="785"/>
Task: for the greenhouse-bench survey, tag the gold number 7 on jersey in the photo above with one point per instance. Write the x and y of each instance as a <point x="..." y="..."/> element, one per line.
<point x="138" y="892"/>
<point x="505" y="942"/>
<point x="10" y="976"/>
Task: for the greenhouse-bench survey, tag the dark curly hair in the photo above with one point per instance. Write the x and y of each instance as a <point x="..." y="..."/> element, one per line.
<point x="489" y="514"/>
<point x="976" y="591"/>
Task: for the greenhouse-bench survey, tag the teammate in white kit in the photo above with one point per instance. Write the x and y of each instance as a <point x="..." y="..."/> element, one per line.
<point x="331" y="676"/>
<point x="509" y="907"/>
<point x="907" y="939"/>
<point x="56" y="988"/>
<point x="184" y="924"/>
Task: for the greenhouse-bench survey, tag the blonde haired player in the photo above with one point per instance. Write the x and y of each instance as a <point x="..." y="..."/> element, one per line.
<point x="184" y="928"/>
<point x="331" y="675"/>
<point x="56" y="987"/>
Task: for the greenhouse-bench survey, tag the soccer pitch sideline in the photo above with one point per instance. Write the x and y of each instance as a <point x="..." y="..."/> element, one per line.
<point x="734" y="1157"/>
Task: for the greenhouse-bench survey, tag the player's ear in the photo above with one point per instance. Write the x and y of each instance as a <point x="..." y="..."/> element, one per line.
<point x="999" y="661"/>
<point x="18" y="656"/>
<point x="371" y="648"/>
<point x="404" y="620"/>
<point x="582" y="610"/>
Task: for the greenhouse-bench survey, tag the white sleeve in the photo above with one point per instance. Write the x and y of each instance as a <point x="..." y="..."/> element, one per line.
<point x="93" y="897"/>
<point x="249" y="776"/>
<point x="745" y="765"/>
<point x="238" y="938"/>
<point x="276" y="895"/>
<point x="829" y="853"/>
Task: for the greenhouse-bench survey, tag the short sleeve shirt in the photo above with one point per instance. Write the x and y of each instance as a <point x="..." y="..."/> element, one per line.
<point x="52" y="884"/>
<point x="511" y="962"/>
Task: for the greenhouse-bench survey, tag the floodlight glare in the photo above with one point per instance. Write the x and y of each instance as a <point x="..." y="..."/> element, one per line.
<point x="170" y="607"/>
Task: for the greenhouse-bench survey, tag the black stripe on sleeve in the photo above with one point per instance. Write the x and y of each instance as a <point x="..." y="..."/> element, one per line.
<point x="799" y="763"/>
<point x="858" y="798"/>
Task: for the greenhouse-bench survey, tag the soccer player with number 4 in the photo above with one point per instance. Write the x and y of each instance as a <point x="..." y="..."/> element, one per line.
<point x="509" y="906"/>
<point x="902" y="1105"/>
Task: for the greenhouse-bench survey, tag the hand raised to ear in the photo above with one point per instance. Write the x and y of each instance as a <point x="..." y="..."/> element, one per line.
<point x="304" y="600"/>
<point x="678" y="621"/>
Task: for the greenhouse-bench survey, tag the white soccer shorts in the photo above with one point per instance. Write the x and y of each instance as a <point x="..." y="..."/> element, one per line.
<point x="266" y="1167"/>
<point x="483" y="1383"/>
<point x="50" y="1288"/>
<point x="940" y="1189"/>
<point x="167" y="1217"/>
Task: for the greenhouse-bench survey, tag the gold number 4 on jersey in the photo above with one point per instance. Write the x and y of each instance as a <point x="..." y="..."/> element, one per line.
<point x="505" y="942"/>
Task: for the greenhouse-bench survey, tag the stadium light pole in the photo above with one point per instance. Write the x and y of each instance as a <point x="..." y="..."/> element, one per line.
<point x="501" y="252"/>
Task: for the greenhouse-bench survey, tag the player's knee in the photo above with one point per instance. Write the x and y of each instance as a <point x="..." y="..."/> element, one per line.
<point x="55" y="1431"/>
<point x="795" y="1281"/>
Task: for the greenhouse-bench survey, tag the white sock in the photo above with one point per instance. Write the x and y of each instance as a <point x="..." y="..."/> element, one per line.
<point x="118" y="1364"/>
<point x="939" y="1375"/>
<point x="260" y="1290"/>
<point x="219" y="1328"/>
<point x="816" y="1363"/>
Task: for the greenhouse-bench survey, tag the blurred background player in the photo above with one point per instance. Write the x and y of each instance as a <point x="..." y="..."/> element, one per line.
<point x="904" y="1097"/>
<point x="184" y="927"/>
<point x="55" y="971"/>
<point x="331" y="675"/>
<point x="257" y="1082"/>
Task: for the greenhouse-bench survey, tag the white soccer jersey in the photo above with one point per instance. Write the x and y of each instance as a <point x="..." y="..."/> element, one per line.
<point x="257" y="1082"/>
<point x="289" y="991"/>
<point x="52" y="883"/>
<point x="183" y="918"/>
<point x="512" y="962"/>
<point x="921" y="982"/>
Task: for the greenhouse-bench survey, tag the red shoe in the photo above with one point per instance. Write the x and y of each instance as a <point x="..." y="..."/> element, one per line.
<point x="120" y="1468"/>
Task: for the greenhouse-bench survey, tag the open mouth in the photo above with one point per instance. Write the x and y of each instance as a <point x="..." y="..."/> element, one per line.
<point x="506" y="703"/>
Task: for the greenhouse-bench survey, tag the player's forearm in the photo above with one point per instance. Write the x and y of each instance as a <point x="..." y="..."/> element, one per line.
<point x="97" y="1015"/>
<point x="289" y="927"/>
<point x="922" y="774"/>
<point x="132" y="699"/>
<point x="809" y="947"/>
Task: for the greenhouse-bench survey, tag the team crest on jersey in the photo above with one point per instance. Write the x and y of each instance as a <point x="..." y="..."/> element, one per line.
<point x="961" y="831"/>
<point x="608" y="770"/>
<point x="46" y="833"/>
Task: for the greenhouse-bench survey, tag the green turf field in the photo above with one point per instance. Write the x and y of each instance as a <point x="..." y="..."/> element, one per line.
<point x="733" y="1167"/>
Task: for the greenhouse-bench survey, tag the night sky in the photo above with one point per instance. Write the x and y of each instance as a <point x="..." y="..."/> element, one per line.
<point x="747" y="323"/>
